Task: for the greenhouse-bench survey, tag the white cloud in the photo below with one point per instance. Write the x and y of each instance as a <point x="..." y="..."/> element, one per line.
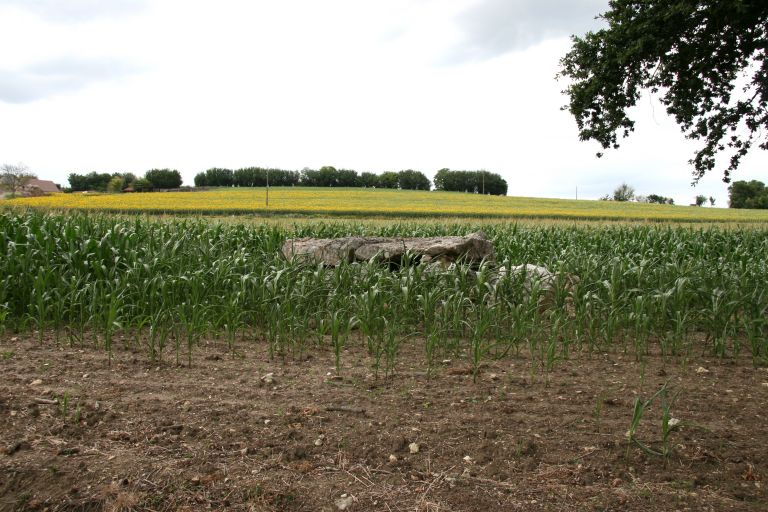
<point x="495" y="27"/>
<point x="76" y="10"/>
<point x="58" y="76"/>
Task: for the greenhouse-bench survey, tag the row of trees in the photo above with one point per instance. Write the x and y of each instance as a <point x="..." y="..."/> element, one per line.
<point x="479" y="182"/>
<point x="324" y="177"/>
<point x="119" y="181"/>
<point x="748" y="194"/>
<point x="626" y="192"/>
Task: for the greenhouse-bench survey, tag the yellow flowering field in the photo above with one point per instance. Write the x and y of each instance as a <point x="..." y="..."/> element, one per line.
<point x="378" y="202"/>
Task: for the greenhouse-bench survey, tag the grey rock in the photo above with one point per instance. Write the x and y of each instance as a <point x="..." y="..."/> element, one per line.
<point x="472" y="248"/>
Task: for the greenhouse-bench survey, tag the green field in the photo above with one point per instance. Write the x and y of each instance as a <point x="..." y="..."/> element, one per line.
<point x="166" y="285"/>
<point x="391" y="203"/>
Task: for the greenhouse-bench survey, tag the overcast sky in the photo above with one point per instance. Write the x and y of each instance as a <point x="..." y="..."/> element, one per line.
<point x="129" y="85"/>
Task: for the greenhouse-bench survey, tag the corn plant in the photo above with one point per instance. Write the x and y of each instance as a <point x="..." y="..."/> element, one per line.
<point x="640" y="288"/>
<point x="638" y="411"/>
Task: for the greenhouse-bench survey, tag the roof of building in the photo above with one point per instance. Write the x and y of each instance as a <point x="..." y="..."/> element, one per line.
<point x="44" y="185"/>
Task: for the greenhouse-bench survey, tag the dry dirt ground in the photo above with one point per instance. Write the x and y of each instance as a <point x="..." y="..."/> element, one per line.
<point x="79" y="435"/>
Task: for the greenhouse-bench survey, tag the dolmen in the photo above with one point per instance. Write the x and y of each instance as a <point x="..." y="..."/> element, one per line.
<point x="471" y="249"/>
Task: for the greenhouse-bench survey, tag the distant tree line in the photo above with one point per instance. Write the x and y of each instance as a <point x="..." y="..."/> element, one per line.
<point x="748" y="194"/>
<point x="657" y="199"/>
<point x="324" y="177"/>
<point x="119" y="181"/>
<point x="480" y="182"/>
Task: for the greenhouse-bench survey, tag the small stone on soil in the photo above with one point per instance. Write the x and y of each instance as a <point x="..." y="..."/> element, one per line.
<point x="413" y="448"/>
<point x="344" y="502"/>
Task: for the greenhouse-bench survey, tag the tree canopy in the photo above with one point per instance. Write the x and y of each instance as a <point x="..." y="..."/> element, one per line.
<point x="624" y="193"/>
<point x="481" y="182"/>
<point x="748" y="194"/>
<point x="164" y="178"/>
<point x="706" y="59"/>
<point x="659" y="199"/>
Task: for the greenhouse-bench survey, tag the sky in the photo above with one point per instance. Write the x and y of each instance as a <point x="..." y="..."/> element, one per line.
<point x="131" y="85"/>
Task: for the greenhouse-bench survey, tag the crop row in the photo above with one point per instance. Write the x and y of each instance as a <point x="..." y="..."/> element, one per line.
<point x="166" y="286"/>
<point x="368" y="202"/>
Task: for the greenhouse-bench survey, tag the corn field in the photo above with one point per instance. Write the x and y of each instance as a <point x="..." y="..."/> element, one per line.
<point x="164" y="288"/>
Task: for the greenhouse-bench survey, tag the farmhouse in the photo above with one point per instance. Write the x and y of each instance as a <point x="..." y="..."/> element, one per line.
<point x="36" y="187"/>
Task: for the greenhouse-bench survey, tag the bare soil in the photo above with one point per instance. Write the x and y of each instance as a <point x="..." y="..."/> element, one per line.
<point x="78" y="434"/>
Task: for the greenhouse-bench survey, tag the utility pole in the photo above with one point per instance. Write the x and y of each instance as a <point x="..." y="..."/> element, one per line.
<point x="577" y="192"/>
<point x="267" y="189"/>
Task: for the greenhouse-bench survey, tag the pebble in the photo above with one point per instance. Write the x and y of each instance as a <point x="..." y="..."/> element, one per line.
<point x="36" y="382"/>
<point x="392" y="459"/>
<point x="344" y="502"/>
<point x="413" y="448"/>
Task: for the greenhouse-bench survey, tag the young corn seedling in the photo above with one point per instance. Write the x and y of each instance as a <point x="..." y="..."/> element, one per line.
<point x="340" y="327"/>
<point x="597" y="410"/>
<point x="667" y="425"/>
<point x="478" y="329"/>
<point x="393" y="340"/>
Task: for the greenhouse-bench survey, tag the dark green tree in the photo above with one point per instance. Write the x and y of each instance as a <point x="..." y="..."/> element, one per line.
<point x="128" y="177"/>
<point x="201" y="179"/>
<point x="327" y="176"/>
<point x="412" y="180"/>
<point x="693" y="54"/>
<point x="347" y="178"/>
<point x="309" y="177"/>
<point x="441" y="179"/>
<point x="388" y="179"/>
<point x="219" y="177"/>
<point x="163" y="178"/>
<point x="92" y="181"/>
<point x="748" y="194"/>
<point x="658" y="199"/>
<point x="470" y="181"/>
<point x="368" y="180"/>
<point x="77" y="182"/>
